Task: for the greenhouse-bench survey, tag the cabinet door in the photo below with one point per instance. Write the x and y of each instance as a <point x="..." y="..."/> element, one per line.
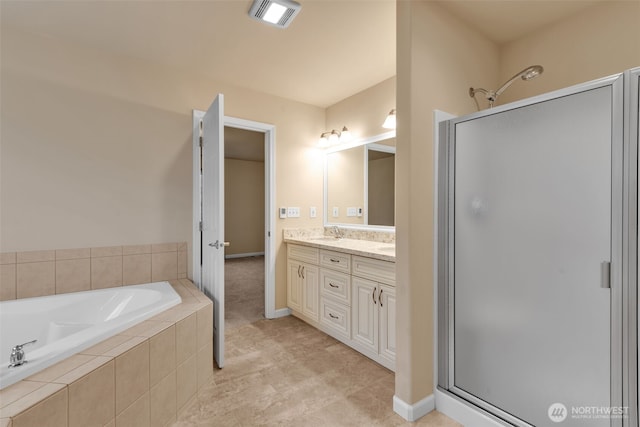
<point x="310" y="291"/>
<point x="387" y="302"/>
<point x="294" y="285"/>
<point x="364" y="309"/>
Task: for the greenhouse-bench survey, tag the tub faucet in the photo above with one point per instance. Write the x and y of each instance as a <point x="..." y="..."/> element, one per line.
<point x="17" y="355"/>
<point x="337" y="232"/>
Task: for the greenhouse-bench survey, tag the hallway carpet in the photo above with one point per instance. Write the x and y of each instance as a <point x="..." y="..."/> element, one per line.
<point x="283" y="372"/>
<point x="244" y="291"/>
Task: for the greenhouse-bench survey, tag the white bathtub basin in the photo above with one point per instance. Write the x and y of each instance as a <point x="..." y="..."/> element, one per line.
<point x="68" y="323"/>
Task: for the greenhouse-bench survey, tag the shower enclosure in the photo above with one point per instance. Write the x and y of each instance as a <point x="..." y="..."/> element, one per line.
<point x="537" y="274"/>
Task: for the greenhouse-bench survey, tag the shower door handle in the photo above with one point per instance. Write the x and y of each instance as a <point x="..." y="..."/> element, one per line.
<point x="605" y="274"/>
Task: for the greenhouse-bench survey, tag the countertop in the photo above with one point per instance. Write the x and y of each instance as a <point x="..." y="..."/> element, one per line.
<point x="366" y="248"/>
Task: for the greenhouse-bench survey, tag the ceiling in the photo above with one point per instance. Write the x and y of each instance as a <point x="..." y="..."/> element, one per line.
<point x="332" y="50"/>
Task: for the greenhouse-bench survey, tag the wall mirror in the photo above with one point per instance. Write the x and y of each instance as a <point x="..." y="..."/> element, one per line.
<point x="359" y="183"/>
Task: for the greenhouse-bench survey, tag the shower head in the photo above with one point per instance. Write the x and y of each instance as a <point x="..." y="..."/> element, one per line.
<point x="492" y="96"/>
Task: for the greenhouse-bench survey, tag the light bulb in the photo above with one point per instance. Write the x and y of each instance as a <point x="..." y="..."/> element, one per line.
<point x="390" y="121"/>
<point x="345" y="135"/>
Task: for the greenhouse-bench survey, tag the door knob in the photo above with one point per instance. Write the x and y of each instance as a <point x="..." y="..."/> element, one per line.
<point x="219" y="245"/>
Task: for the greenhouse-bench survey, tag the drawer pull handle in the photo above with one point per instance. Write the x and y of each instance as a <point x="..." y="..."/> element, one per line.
<point x="373" y="296"/>
<point x="380" y="297"/>
<point x="333" y="286"/>
<point x="299" y="270"/>
<point x="334" y="260"/>
<point x="333" y="317"/>
<point x="303" y="271"/>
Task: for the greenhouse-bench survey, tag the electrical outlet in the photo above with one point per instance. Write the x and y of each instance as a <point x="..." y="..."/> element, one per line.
<point x="352" y="211"/>
<point x="283" y="212"/>
<point x="293" y="212"/>
<point x="359" y="211"/>
<point x="336" y="212"/>
<point x="312" y="212"/>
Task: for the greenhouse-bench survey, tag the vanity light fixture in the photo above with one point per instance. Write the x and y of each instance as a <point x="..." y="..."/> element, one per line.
<point x="390" y="121"/>
<point x="334" y="137"/>
<point x="278" y="13"/>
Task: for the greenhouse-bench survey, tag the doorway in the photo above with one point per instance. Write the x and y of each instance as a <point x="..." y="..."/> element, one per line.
<point x="202" y="270"/>
<point x="244" y="191"/>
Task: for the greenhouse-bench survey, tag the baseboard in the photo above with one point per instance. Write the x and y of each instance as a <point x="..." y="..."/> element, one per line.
<point x="415" y="411"/>
<point x="283" y="312"/>
<point x="462" y="412"/>
<point x="247" y="255"/>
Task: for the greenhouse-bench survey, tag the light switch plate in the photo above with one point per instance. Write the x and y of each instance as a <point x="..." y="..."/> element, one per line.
<point x="336" y="212"/>
<point x="293" y="212"/>
<point x="312" y="212"/>
<point x="352" y="211"/>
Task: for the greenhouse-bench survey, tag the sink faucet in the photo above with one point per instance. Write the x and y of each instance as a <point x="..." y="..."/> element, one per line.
<point x="17" y="355"/>
<point x="337" y="232"/>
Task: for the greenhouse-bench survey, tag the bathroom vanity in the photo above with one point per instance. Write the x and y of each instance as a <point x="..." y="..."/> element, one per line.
<point x="346" y="288"/>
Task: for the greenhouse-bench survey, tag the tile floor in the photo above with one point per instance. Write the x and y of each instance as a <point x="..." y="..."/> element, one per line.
<point x="284" y="372"/>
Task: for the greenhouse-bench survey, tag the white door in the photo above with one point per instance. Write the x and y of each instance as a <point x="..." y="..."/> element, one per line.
<point x="213" y="218"/>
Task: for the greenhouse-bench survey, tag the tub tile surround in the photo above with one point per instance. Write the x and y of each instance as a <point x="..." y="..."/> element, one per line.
<point x="41" y="273"/>
<point x="368" y="243"/>
<point x="144" y="376"/>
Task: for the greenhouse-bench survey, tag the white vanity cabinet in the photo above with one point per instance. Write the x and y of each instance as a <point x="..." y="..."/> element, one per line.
<point x="374" y="309"/>
<point x="302" y="281"/>
<point x="350" y="297"/>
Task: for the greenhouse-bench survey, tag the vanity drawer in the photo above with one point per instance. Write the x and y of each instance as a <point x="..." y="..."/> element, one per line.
<point x="336" y="317"/>
<point x="303" y="253"/>
<point x="335" y="260"/>
<point x="374" y="269"/>
<point x="335" y="285"/>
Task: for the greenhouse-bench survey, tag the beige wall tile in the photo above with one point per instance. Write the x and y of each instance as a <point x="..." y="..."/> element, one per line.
<point x="106" y="251"/>
<point x="61" y="368"/>
<point x="36" y="256"/>
<point x="204" y="360"/>
<point x="162" y="354"/>
<point x="73" y="275"/>
<point x="186" y="338"/>
<point x="163" y="400"/>
<point x="51" y="412"/>
<point x="7" y="282"/>
<point x="136" y="269"/>
<point x="5" y="422"/>
<point x="147" y="329"/>
<point x="132" y="376"/>
<point x="136" y="249"/>
<point x="92" y="398"/>
<point x="41" y="392"/>
<point x="125" y="346"/>
<point x="205" y="325"/>
<point x="164" y="247"/>
<point x="106" y="272"/>
<point x="17" y="391"/>
<point x="7" y="258"/>
<point x="35" y="279"/>
<point x="82" y="370"/>
<point x="73" y="253"/>
<point x="136" y="415"/>
<point x="182" y="262"/>
<point x="106" y="345"/>
<point x="187" y="381"/>
<point x="111" y="423"/>
<point x="164" y="266"/>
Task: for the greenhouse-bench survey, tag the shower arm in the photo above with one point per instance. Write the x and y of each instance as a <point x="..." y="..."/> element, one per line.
<point x="492" y="96"/>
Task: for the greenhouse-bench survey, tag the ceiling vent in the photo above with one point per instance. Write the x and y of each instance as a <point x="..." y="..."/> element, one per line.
<point x="278" y="13"/>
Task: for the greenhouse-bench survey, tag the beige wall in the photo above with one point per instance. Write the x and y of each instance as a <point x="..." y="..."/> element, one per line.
<point x="600" y="41"/>
<point x="243" y="206"/>
<point x="96" y="148"/>
<point x="439" y="58"/>
<point x="364" y="112"/>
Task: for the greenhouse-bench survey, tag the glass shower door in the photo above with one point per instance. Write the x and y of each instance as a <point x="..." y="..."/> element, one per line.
<point x="532" y="235"/>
